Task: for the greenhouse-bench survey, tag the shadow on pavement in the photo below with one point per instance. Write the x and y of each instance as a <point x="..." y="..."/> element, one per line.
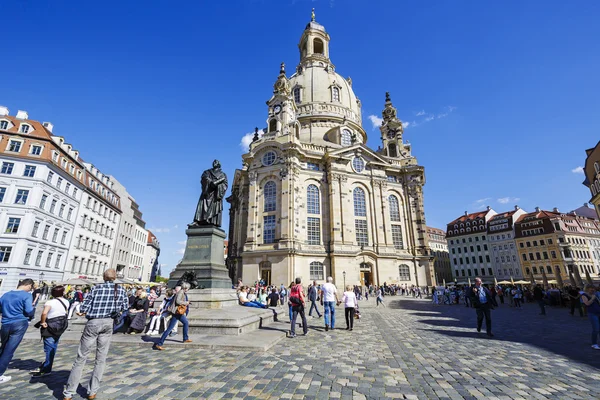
<point x="557" y="332"/>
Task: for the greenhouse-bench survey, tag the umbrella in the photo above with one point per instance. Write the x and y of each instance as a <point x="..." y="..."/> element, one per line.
<point x="578" y="277"/>
<point x="559" y="279"/>
<point x="78" y="281"/>
<point x="495" y="281"/>
<point x="469" y="281"/>
<point x="505" y="282"/>
<point x="531" y="278"/>
<point x="444" y="282"/>
<point x="544" y="278"/>
<point x="588" y="278"/>
<point x="512" y="281"/>
<point x="572" y="279"/>
<point x="521" y="282"/>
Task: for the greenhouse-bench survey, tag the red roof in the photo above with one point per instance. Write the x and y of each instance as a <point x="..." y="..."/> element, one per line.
<point x="470" y="217"/>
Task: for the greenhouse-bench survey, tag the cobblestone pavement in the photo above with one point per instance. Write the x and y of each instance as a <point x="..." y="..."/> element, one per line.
<point x="411" y="349"/>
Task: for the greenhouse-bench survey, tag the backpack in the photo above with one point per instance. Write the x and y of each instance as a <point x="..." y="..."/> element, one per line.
<point x="57" y="325"/>
<point x="79" y="297"/>
<point x="295" y="296"/>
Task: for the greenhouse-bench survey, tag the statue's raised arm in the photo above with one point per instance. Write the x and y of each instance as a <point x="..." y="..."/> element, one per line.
<point x="210" y="205"/>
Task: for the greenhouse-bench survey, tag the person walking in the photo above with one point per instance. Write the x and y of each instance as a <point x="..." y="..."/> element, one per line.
<point x="313" y="297"/>
<point x="179" y="309"/>
<point x="16" y="307"/>
<point x="590" y="299"/>
<point x="483" y="302"/>
<point x="329" y="299"/>
<point x="53" y="323"/>
<point x="538" y="295"/>
<point x="380" y="297"/>
<point x="350" y="303"/>
<point x="297" y="301"/>
<point x="575" y="300"/>
<point x="77" y="300"/>
<point x="100" y="306"/>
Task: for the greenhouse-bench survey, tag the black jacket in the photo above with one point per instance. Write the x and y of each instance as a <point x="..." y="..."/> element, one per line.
<point x="475" y="296"/>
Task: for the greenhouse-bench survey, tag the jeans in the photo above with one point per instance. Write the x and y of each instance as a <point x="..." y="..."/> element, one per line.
<point x="484" y="311"/>
<point x="349" y="311"/>
<point x="595" y="320"/>
<point x="75" y="307"/>
<point x="122" y="320"/>
<point x="329" y="309"/>
<point x="50" y="347"/>
<point x="542" y="305"/>
<point x="176" y="317"/>
<point x="254" y="304"/>
<point x="576" y="304"/>
<point x="313" y="305"/>
<point x="97" y="333"/>
<point x="11" y="336"/>
<point x="295" y="311"/>
<point x="517" y="302"/>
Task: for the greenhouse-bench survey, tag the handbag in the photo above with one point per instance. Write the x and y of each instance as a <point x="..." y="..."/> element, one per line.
<point x="56" y="326"/>
<point x="181" y="309"/>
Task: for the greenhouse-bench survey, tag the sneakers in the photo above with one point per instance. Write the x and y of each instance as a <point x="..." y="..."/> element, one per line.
<point x="4" y="379"/>
<point x="595" y="346"/>
<point x="40" y="374"/>
<point x="157" y="347"/>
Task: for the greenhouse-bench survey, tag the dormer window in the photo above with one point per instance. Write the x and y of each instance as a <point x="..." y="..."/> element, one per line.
<point x="24" y="128"/>
<point x="54" y="156"/>
<point x="346" y="138"/>
<point x="335" y="94"/>
<point x="4" y="125"/>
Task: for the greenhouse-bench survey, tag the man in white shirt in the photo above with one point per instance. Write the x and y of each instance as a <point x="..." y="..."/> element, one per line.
<point x="329" y="298"/>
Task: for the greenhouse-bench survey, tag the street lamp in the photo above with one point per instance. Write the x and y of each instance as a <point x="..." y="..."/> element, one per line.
<point x="41" y="277"/>
<point x="344" y="273"/>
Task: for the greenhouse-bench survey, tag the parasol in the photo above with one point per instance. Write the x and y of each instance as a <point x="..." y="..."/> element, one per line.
<point x="512" y="281"/>
<point x="531" y="278"/>
<point x="572" y="279"/>
<point x="588" y="278"/>
<point x="544" y="278"/>
<point x="495" y="281"/>
<point x="578" y="277"/>
<point x="469" y="281"/>
<point x="559" y="279"/>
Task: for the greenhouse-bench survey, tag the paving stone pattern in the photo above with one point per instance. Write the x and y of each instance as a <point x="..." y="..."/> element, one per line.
<point x="409" y="350"/>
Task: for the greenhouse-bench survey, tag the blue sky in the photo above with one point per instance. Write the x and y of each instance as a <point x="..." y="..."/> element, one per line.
<point x="501" y="97"/>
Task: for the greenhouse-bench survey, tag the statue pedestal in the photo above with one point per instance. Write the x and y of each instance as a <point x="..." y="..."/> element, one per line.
<point x="204" y="255"/>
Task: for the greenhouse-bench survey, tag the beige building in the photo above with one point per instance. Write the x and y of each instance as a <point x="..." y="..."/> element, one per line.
<point x="592" y="175"/>
<point x="312" y="200"/>
<point x="439" y="249"/>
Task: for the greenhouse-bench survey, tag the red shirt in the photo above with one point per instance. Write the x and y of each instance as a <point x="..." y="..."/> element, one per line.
<point x="297" y="291"/>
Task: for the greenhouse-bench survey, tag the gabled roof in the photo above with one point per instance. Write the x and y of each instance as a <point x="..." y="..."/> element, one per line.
<point x="39" y="131"/>
<point x="472" y="216"/>
<point x="507" y="214"/>
<point x="539" y="215"/>
<point x="352" y="150"/>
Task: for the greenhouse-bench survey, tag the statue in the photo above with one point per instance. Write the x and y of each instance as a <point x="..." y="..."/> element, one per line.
<point x="210" y="205"/>
<point x="189" y="277"/>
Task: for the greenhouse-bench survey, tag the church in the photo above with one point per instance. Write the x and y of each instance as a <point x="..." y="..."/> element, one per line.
<point x="312" y="200"/>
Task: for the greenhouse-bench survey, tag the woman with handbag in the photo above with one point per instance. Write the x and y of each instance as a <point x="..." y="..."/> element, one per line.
<point x="179" y="309"/>
<point x="53" y="323"/>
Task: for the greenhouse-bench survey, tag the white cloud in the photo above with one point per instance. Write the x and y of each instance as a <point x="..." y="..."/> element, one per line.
<point x="406" y="124"/>
<point x="578" y="170"/>
<point x="182" y="243"/>
<point x="482" y="200"/>
<point x="420" y="113"/>
<point x="429" y="118"/>
<point x="506" y="200"/>
<point x="247" y="139"/>
<point x="176" y="227"/>
<point x="480" y="204"/>
<point x="160" y="230"/>
<point x="375" y="120"/>
<point x="180" y="251"/>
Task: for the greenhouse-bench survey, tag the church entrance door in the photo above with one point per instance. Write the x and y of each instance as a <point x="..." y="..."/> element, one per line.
<point x="265" y="275"/>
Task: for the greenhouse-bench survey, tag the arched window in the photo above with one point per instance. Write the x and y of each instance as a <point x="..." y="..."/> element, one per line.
<point x="270" y="196"/>
<point x="335" y="94"/>
<point x="312" y="200"/>
<point x="404" y="272"/>
<point x="394" y="208"/>
<point x="360" y="221"/>
<point x="313" y="221"/>
<point x="534" y="270"/>
<point x="318" y="47"/>
<point x="317" y="271"/>
<point x="272" y="125"/>
<point x="297" y="97"/>
<point x="549" y="269"/>
<point x="346" y="139"/>
<point x="392" y="150"/>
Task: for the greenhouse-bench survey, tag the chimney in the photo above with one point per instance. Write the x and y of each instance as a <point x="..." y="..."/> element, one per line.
<point x="555" y="209"/>
<point x="3" y="111"/>
<point x="517" y="208"/>
<point x="466" y="213"/>
<point x="48" y="126"/>
<point x="537" y="209"/>
<point x="488" y="208"/>
<point x="22" y="114"/>
<point x="585" y="205"/>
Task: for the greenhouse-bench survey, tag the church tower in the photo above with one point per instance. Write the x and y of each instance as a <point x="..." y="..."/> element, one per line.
<point x="312" y="200"/>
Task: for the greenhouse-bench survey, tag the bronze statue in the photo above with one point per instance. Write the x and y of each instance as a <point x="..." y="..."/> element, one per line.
<point x="210" y="205"/>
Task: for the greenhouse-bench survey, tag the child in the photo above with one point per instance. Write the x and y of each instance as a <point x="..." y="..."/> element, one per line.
<point x="161" y="315"/>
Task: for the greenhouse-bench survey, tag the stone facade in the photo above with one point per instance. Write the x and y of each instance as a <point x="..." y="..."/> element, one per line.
<point x="439" y="249"/>
<point x="592" y="175"/>
<point x="312" y="200"/>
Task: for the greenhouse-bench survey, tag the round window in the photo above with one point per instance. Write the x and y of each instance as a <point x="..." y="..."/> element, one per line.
<point x="269" y="158"/>
<point x="358" y="164"/>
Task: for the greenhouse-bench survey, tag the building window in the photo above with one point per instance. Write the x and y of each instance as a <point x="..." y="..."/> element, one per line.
<point x="50" y="176"/>
<point x="268" y="229"/>
<point x="64" y="238"/>
<point x="346" y="139"/>
<point x="55" y="235"/>
<point x="5" y="253"/>
<point x="36" y="150"/>
<point x="270" y="196"/>
<point x="313" y="205"/>
<point x="38" y="258"/>
<point x="43" y="201"/>
<point x="362" y="235"/>
<point x="22" y="195"/>
<point x="317" y="272"/>
<point x="312" y="166"/>
<point x="45" y="234"/>
<point x="49" y="259"/>
<point x="397" y="237"/>
<point x="404" y="272"/>
<point x="7" y="167"/>
<point x="358" y="164"/>
<point x="52" y="206"/>
<point x="57" y="263"/>
<point x="272" y="125"/>
<point x="14" y="145"/>
<point x="4" y="125"/>
<point x="13" y="225"/>
<point x="59" y="182"/>
<point x="61" y="211"/>
<point x="297" y="97"/>
<point x="335" y="94"/>
<point x="394" y="208"/>
<point x="269" y="158"/>
<point x="29" y="171"/>
<point x="27" y="256"/>
<point x="360" y="205"/>
<point x="2" y="193"/>
<point x="36" y="226"/>
<point x="313" y="227"/>
<point x="24" y="128"/>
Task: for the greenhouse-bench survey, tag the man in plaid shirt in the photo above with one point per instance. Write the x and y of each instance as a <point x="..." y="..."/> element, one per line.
<point x="97" y="308"/>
